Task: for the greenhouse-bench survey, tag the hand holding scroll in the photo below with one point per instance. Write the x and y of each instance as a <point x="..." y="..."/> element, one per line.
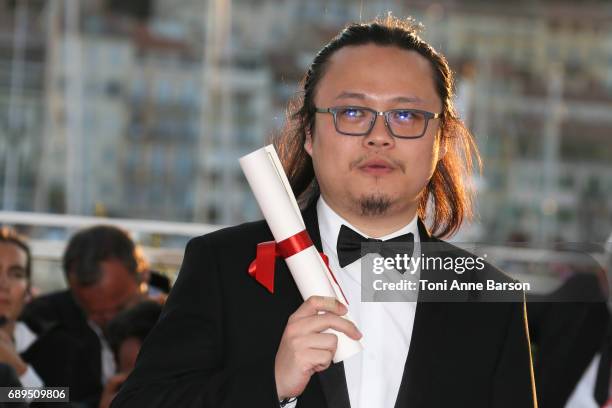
<point x="273" y="193"/>
<point x="304" y="349"/>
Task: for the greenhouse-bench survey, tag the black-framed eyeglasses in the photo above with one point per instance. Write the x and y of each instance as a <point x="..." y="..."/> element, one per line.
<point x="359" y="121"/>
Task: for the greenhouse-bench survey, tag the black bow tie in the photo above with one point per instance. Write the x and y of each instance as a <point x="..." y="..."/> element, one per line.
<point x="350" y="243"/>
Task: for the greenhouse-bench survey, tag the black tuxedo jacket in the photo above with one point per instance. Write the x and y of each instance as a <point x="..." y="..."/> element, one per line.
<point x="216" y="340"/>
<point x="82" y="363"/>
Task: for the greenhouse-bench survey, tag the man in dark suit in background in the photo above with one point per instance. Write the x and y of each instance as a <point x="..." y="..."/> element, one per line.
<point x="103" y="268"/>
<point x="125" y="334"/>
<point x="373" y="140"/>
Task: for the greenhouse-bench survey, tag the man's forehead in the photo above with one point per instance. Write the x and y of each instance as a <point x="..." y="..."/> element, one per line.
<point x="386" y="73"/>
<point x="365" y="53"/>
<point x="114" y="269"/>
<point x="109" y="288"/>
<point x="116" y="281"/>
<point x="343" y="95"/>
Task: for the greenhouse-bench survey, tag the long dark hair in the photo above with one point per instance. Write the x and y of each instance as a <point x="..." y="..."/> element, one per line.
<point x="448" y="191"/>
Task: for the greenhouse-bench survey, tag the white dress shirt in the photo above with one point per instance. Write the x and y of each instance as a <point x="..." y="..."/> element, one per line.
<point x="24" y="337"/>
<point x="583" y="395"/>
<point x="373" y="376"/>
<point x="107" y="358"/>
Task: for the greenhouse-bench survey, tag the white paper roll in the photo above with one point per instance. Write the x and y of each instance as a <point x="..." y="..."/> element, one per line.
<point x="273" y="193"/>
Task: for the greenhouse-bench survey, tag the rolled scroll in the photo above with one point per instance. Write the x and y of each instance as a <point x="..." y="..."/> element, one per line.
<point x="267" y="179"/>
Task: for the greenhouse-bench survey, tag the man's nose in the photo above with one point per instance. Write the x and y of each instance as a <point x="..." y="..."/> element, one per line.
<point x="380" y="136"/>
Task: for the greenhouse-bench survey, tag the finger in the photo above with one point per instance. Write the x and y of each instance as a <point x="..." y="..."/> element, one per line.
<point x="115" y="382"/>
<point x="319" y="323"/>
<point x="118" y="378"/>
<point x="316" y="360"/>
<point x="321" y="341"/>
<point x="316" y="304"/>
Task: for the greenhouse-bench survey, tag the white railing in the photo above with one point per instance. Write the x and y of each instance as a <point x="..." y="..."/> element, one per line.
<point x="80" y="221"/>
<point x="528" y="264"/>
<point x="47" y="253"/>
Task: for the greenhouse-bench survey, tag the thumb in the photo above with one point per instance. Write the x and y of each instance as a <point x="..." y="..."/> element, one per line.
<point x="116" y="380"/>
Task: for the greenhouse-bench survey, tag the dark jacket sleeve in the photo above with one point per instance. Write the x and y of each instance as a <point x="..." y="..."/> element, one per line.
<point x="514" y="385"/>
<point x="182" y="362"/>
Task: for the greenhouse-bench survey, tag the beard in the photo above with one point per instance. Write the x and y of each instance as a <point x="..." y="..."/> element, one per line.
<point x="375" y="204"/>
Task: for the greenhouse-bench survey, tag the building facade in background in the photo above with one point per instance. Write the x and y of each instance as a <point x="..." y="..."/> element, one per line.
<point x="142" y="110"/>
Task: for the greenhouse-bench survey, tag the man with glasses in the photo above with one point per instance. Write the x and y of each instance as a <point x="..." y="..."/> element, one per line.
<point x="373" y="147"/>
<point x="359" y="121"/>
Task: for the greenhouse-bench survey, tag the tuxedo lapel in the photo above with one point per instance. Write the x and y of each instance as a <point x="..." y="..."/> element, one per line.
<point x="333" y="382"/>
<point x="440" y="272"/>
<point x="312" y="224"/>
<point x="434" y="324"/>
<point x="424" y="356"/>
<point x="429" y="327"/>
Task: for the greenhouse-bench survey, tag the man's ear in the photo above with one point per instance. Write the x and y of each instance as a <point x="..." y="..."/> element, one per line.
<point x="142" y="278"/>
<point x="308" y="142"/>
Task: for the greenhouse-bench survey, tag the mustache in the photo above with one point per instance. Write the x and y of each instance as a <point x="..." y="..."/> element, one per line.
<point x="394" y="162"/>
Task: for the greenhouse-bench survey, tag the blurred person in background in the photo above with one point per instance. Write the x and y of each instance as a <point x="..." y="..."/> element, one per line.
<point x="567" y="326"/>
<point x="603" y="374"/>
<point x="125" y="335"/>
<point x="39" y="355"/>
<point x="104" y="271"/>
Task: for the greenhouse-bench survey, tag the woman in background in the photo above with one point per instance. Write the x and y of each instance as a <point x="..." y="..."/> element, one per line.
<point x="39" y="355"/>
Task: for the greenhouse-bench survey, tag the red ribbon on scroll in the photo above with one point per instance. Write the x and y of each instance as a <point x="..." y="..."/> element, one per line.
<point x="262" y="268"/>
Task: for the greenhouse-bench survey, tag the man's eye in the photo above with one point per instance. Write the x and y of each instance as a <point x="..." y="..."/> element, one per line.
<point x="352" y="113"/>
<point x="404" y="116"/>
